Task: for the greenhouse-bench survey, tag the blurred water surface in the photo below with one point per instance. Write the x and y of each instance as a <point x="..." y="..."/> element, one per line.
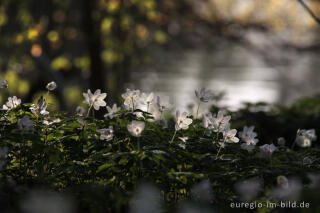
<point x="266" y="73"/>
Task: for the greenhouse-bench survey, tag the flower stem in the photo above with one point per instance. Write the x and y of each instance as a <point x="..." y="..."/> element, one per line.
<point x="175" y="132"/>
<point x="220" y="149"/>
<point x="88" y="113"/>
<point x="218" y="152"/>
<point x="197" y="111"/>
<point x="140" y="162"/>
<point x="204" y="132"/>
<point x="138" y="144"/>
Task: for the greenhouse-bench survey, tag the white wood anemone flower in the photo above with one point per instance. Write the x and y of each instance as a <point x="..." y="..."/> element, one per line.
<point x="40" y="108"/>
<point x="221" y="122"/>
<point x="112" y="111"/>
<point x="248" y="135"/>
<point x="182" y="121"/>
<point x="147" y="99"/>
<point x="250" y="140"/>
<point x="204" y="95"/>
<point x="268" y="149"/>
<point x="51" y="86"/>
<point x="207" y="121"/>
<point x="25" y="124"/>
<point x="163" y="103"/>
<point x="131" y="98"/>
<point x="106" y="134"/>
<point x="310" y="133"/>
<point x="305" y="137"/>
<point x="136" y="128"/>
<point x="95" y="100"/>
<point x="12" y="103"/>
<point x="229" y="135"/>
<point x="303" y="141"/>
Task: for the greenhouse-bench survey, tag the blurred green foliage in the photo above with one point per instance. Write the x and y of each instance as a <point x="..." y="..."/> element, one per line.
<point x="40" y="39"/>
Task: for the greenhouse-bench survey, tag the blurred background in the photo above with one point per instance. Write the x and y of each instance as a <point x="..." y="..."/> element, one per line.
<point x="252" y="50"/>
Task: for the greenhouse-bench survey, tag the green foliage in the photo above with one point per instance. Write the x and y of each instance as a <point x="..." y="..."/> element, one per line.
<point x="68" y="157"/>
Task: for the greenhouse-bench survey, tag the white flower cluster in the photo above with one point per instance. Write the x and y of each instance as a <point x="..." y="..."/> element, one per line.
<point x="216" y="124"/>
<point x="131" y="98"/>
<point x="220" y="124"/>
<point x="134" y="99"/>
<point x="13" y="102"/>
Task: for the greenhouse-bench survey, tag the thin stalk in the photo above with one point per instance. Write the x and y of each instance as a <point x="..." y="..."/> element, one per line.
<point x="311" y="13"/>
<point x="138" y="142"/>
<point x="220" y="149"/>
<point x="197" y="110"/>
<point x="20" y="157"/>
<point x="175" y="132"/>
<point x="46" y="97"/>
<point x="140" y="162"/>
<point x="218" y="152"/>
<point x="88" y="113"/>
<point x="204" y="132"/>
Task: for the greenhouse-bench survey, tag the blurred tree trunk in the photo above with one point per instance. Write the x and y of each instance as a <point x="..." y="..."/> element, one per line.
<point x="91" y="29"/>
<point x="121" y="69"/>
<point x="92" y="33"/>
